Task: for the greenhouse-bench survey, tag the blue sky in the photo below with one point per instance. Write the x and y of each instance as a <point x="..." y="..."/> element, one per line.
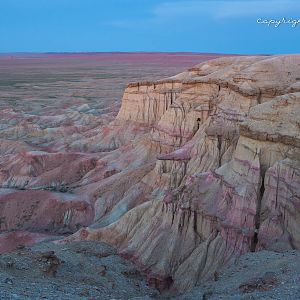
<point x="217" y="26"/>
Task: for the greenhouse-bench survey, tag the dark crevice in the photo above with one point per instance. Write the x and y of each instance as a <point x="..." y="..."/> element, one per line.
<point x="173" y="211"/>
<point x="166" y="101"/>
<point x="258" y="211"/>
<point x="259" y="97"/>
<point x="254" y="241"/>
<point x="219" y="148"/>
<point x="198" y="123"/>
<point x="195" y="222"/>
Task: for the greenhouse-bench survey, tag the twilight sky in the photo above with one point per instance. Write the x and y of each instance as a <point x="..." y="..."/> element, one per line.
<point x="218" y="26"/>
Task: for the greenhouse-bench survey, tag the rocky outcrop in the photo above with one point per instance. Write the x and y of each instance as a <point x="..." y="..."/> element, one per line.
<point x="276" y="126"/>
<point x="43" y="211"/>
<point x="225" y="134"/>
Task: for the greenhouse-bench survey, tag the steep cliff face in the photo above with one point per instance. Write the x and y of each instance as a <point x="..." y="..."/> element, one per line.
<point x="275" y="126"/>
<point x="226" y="176"/>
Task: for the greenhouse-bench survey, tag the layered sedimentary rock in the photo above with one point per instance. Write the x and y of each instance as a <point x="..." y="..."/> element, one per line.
<point x="195" y="170"/>
<point x="275" y="126"/>
<point x="225" y="181"/>
<point x="46" y="211"/>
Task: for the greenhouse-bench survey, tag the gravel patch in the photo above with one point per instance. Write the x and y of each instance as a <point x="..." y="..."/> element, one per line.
<point x="82" y="270"/>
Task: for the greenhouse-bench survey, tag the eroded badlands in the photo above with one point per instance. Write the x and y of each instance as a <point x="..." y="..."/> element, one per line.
<point x="193" y="170"/>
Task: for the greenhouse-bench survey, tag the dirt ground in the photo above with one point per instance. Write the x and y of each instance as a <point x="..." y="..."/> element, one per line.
<point x="83" y="270"/>
<point x="263" y="275"/>
<point x="93" y="270"/>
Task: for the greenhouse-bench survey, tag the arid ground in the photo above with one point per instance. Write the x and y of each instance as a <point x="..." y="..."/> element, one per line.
<point x="46" y="84"/>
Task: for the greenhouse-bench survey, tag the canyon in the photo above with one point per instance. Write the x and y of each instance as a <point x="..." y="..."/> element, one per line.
<point x="184" y="176"/>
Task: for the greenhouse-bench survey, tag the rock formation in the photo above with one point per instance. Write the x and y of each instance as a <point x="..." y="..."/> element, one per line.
<point x="57" y="139"/>
<point x="225" y="178"/>
<point x="195" y="170"/>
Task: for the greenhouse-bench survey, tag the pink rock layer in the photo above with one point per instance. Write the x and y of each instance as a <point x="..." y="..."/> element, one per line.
<point x="18" y="239"/>
<point x="43" y="211"/>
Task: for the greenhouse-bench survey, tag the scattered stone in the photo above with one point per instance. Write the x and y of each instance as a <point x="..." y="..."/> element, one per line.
<point x="103" y="270"/>
<point x="216" y="276"/>
<point x="8" y="281"/>
<point x="85" y="292"/>
<point x="265" y="283"/>
<point x="10" y="264"/>
<point x="51" y="260"/>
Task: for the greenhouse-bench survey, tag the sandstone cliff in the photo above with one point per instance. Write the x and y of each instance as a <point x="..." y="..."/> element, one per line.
<point x="221" y="143"/>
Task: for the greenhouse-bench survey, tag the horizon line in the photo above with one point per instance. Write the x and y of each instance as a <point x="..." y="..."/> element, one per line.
<point x="124" y="52"/>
